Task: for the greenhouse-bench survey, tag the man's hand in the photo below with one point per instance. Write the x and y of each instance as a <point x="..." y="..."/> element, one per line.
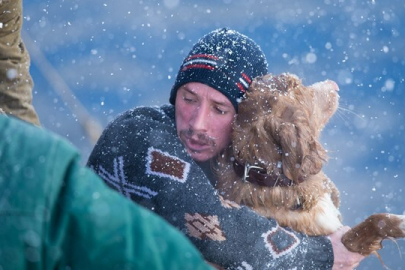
<point x="343" y="258"/>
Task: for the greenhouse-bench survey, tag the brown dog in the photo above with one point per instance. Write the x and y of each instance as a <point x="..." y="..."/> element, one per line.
<point x="274" y="164"/>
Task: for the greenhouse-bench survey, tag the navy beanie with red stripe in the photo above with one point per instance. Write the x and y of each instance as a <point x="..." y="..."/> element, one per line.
<point x="224" y="60"/>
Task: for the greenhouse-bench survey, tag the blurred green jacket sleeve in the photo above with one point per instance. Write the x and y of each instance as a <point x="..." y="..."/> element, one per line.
<point x="15" y="81"/>
<point x="57" y="214"/>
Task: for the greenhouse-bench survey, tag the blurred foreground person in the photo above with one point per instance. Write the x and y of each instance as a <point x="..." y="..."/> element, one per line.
<point x="57" y="214"/>
<point x="15" y="80"/>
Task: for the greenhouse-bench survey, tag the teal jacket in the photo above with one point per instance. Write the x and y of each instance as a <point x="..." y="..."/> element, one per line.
<point x="55" y="214"/>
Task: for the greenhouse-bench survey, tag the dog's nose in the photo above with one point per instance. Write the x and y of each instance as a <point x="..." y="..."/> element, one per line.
<point x="333" y="85"/>
<point x="326" y="85"/>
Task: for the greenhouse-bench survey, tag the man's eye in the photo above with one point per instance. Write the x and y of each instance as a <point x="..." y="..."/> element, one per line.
<point x="220" y="111"/>
<point x="186" y="99"/>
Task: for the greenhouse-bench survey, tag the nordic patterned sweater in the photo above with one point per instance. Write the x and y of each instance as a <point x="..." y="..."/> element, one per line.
<point x="140" y="155"/>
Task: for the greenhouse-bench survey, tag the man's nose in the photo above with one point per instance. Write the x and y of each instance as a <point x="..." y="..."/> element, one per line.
<point x="200" y="118"/>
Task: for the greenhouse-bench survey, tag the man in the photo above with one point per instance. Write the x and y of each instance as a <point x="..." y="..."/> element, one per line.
<point x="160" y="158"/>
<point x="186" y="198"/>
<point x="57" y="214"/>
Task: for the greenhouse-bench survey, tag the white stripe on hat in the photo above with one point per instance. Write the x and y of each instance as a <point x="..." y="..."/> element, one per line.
<point x="245" y="84"/>
<point x="204" y="61"/>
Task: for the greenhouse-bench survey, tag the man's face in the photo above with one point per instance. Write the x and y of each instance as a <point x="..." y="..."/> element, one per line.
<point x="203" y="119"/>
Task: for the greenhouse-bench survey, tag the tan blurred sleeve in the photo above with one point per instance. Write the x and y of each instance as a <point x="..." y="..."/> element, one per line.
<point x="15" y="80"/>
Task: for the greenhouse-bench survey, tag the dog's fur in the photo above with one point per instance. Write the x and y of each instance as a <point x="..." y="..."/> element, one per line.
<point x="277" y="129"/>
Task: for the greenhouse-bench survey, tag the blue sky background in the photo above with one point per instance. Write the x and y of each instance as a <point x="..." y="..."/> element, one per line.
<point x="117" y="54"/>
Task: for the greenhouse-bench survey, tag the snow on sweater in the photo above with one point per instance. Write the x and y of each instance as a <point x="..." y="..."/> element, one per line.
<point x="140" y="155"/>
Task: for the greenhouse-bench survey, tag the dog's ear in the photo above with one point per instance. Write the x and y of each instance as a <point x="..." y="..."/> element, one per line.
<point x="302" y="154"/>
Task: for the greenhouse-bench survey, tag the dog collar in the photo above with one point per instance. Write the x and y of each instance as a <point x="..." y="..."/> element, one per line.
<point x="259" y="176"/>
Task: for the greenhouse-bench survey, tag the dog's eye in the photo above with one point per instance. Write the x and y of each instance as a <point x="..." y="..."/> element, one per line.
<point x="296" y="207"/>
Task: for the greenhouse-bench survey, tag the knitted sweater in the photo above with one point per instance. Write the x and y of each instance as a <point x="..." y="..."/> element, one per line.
<point x="140" y="155"/>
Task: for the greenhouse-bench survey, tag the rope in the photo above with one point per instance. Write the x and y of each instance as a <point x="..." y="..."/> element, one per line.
<point x="89" y="124"/>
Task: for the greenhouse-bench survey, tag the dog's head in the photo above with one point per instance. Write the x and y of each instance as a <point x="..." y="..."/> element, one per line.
<point x="279" y="123"/>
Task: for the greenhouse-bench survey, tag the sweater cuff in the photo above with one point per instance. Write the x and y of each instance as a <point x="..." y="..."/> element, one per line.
<point x="319" y="254"/>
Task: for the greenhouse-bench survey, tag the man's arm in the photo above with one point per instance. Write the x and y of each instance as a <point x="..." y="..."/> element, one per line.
<point x="15" y="81"/>
<point x="139" y="155"/>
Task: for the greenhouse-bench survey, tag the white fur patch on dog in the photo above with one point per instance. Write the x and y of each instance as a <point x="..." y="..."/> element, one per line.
<point x="328" y="215"/>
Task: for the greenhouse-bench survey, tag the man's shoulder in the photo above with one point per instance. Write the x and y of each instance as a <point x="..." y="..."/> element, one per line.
<point x="163" y="114"/>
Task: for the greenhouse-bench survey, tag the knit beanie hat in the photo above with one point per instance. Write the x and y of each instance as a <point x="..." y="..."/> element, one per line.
<point x="224" y="60"/>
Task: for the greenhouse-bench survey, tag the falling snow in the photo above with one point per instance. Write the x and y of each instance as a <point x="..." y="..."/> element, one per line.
<point x="115" y="55"/>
